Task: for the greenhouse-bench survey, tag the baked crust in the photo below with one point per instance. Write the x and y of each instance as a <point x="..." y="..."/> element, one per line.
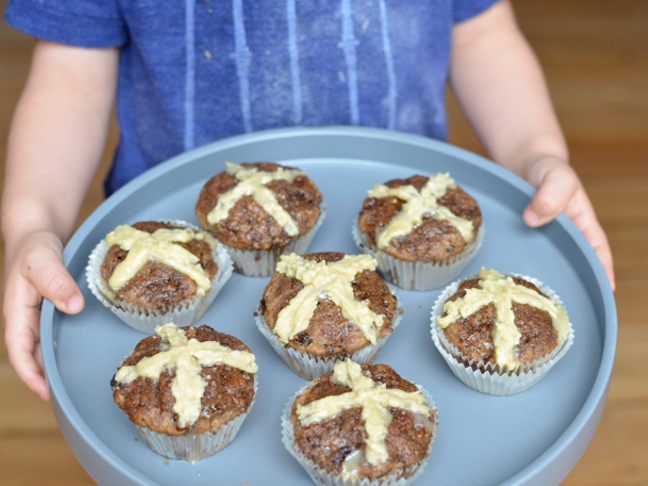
<point x="329" y="333"/>
<point x="156" y="285"/>
<point x="473" y="335"/>
<point x="248" y="226"/>
<point x="431" y="241"/>
<point x="329" y="442"/>
<point x="228" y="392"/>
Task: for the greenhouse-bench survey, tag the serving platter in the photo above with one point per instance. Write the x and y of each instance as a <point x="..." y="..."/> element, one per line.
<point x="533" y="438"/>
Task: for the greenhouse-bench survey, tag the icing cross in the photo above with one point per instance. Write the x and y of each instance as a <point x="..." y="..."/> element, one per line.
<point x="502" y="291"/>
<point x="333" y="280"/>
<point x="418" y="204"/>
<point x="252" y="182"/>
<point x="375" y="400"/>
<point x="160" y="246"/>
<point x="187" y="356"/>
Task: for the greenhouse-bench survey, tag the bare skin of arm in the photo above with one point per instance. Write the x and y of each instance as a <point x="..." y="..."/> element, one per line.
<point x="56" y="141"/>
<point x="500" y="87"/>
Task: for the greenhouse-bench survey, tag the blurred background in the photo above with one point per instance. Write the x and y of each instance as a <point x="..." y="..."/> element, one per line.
<point x="595" y="57"/>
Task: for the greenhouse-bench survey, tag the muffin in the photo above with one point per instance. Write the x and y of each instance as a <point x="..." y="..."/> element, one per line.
<point x="422" y="230"/>
<point x="260" y="211"/>
<point x="187" y="390"/>
<point x="324" y="307"/>
<point x="361" y="424"/>
<point x="499" y="333"/>
<point x="153" y="272"/>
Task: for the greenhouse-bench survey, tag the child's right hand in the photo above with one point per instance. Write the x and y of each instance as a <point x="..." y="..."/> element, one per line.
<point x="57" y="138"/>
<point x="33" y="271"/>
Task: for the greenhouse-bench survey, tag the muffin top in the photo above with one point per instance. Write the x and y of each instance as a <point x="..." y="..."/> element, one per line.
<point x="328" y="304"/>
<point x="258" y="206"/>
<point x="158" y="265"/>
<point x="428" y="219"/>
<point x="363" y="421"/>
<point x="503" y="320"/>
<point x="185" y="380"/>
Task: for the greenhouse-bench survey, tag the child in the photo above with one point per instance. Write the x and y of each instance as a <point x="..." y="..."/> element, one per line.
<point x="184" y="75"/>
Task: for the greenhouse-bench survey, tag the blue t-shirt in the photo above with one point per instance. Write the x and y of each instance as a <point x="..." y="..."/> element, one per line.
<point x="200" y="70"/>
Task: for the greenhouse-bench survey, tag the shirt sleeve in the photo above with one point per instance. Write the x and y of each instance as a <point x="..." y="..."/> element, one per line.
<point x="465" y="9"/>
<point x="82" y="23"/>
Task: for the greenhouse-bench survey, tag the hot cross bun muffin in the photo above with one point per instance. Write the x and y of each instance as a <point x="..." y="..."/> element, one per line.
<point x="260" y="211"/>
<point x="321" y="308"/>
<point x="422" y="230"/>
<point x="187" y="390"/>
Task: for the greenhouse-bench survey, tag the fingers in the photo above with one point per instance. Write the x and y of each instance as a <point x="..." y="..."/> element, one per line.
<point x="556" y="188"/>
<point x="22" y="336"/>
<point x="581" y="212"/>
<point x="34" y="271"/>
<point x="42" y="266"/>
<point x="560" y="190"/>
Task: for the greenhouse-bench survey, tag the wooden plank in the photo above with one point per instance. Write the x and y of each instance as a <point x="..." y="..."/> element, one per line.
<point x="618" y="452"/>
<point x="39" y="460"/>
<point x="620" y="202"/>
<point x="630" y="251"/>
<point x="631" y="301"/>
<point x="629" y="382"/>
<point x="593" y="159"/>
<point x="22" y="411"/>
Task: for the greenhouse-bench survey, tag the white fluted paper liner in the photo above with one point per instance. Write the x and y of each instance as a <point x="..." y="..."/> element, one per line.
<point x="417" y="275"/>
<point x="261" y="263"/>
<point x="323" y="478"/>
<point x="486" y="377"/>
<point x="311" y="367"/>
<point x="193" y="448"/>
<point x="145" y="320"/>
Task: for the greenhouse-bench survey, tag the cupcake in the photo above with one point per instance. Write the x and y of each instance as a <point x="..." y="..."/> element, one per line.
<point x="500" y="334"/>
<point x="187" y="390"/>
<point x="422" y="230"/>
<point x="361" y="424"/>
<point x="260" y="211"/>
<point x="154" y="272"/>
<point x="324" y="307"/>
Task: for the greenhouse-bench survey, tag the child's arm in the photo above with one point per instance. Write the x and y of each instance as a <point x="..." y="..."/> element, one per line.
<point x="56" y="142"/>
<point x="499" y="85"/>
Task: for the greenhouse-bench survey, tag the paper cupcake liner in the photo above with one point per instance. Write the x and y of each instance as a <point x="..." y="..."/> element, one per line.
<point x="322" y="478"/>
<point x="417" y="275"/>
<point x="261" y="263"/>
<point x="311" y="367"/>
<point x="143" y="319"/>
<point x="486" y="377"/>
<point x="193" y="448"/>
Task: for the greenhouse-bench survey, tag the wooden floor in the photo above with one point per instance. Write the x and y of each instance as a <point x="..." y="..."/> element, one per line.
<point x="595" y="55"/>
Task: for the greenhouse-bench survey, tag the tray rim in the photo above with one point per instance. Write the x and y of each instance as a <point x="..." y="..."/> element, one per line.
<point x="585" y="422"/>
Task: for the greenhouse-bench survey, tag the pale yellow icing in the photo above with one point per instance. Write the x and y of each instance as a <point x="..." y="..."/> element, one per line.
<point x="334" y="281"/>
<point x="252" y="182"/>
<point x="375" y="400"/>
<point x="188" y="357"/>
<point x="502" y="291"/>
<point x="417" y="205"/>
<point x="160" y="246"/>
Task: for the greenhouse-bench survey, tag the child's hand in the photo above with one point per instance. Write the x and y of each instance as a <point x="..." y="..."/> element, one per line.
<point x="560" y="189"/>
<point x="34" y="270"/>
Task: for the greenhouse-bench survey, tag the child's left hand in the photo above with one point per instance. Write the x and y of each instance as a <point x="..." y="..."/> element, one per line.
<point x="560" y="190"/>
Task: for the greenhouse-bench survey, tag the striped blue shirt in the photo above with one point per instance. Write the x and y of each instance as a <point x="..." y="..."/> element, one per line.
<point x="197" y="71"/>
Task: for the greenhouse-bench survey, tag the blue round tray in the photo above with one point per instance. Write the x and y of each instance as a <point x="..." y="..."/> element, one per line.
<point x="533" y="438"/>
